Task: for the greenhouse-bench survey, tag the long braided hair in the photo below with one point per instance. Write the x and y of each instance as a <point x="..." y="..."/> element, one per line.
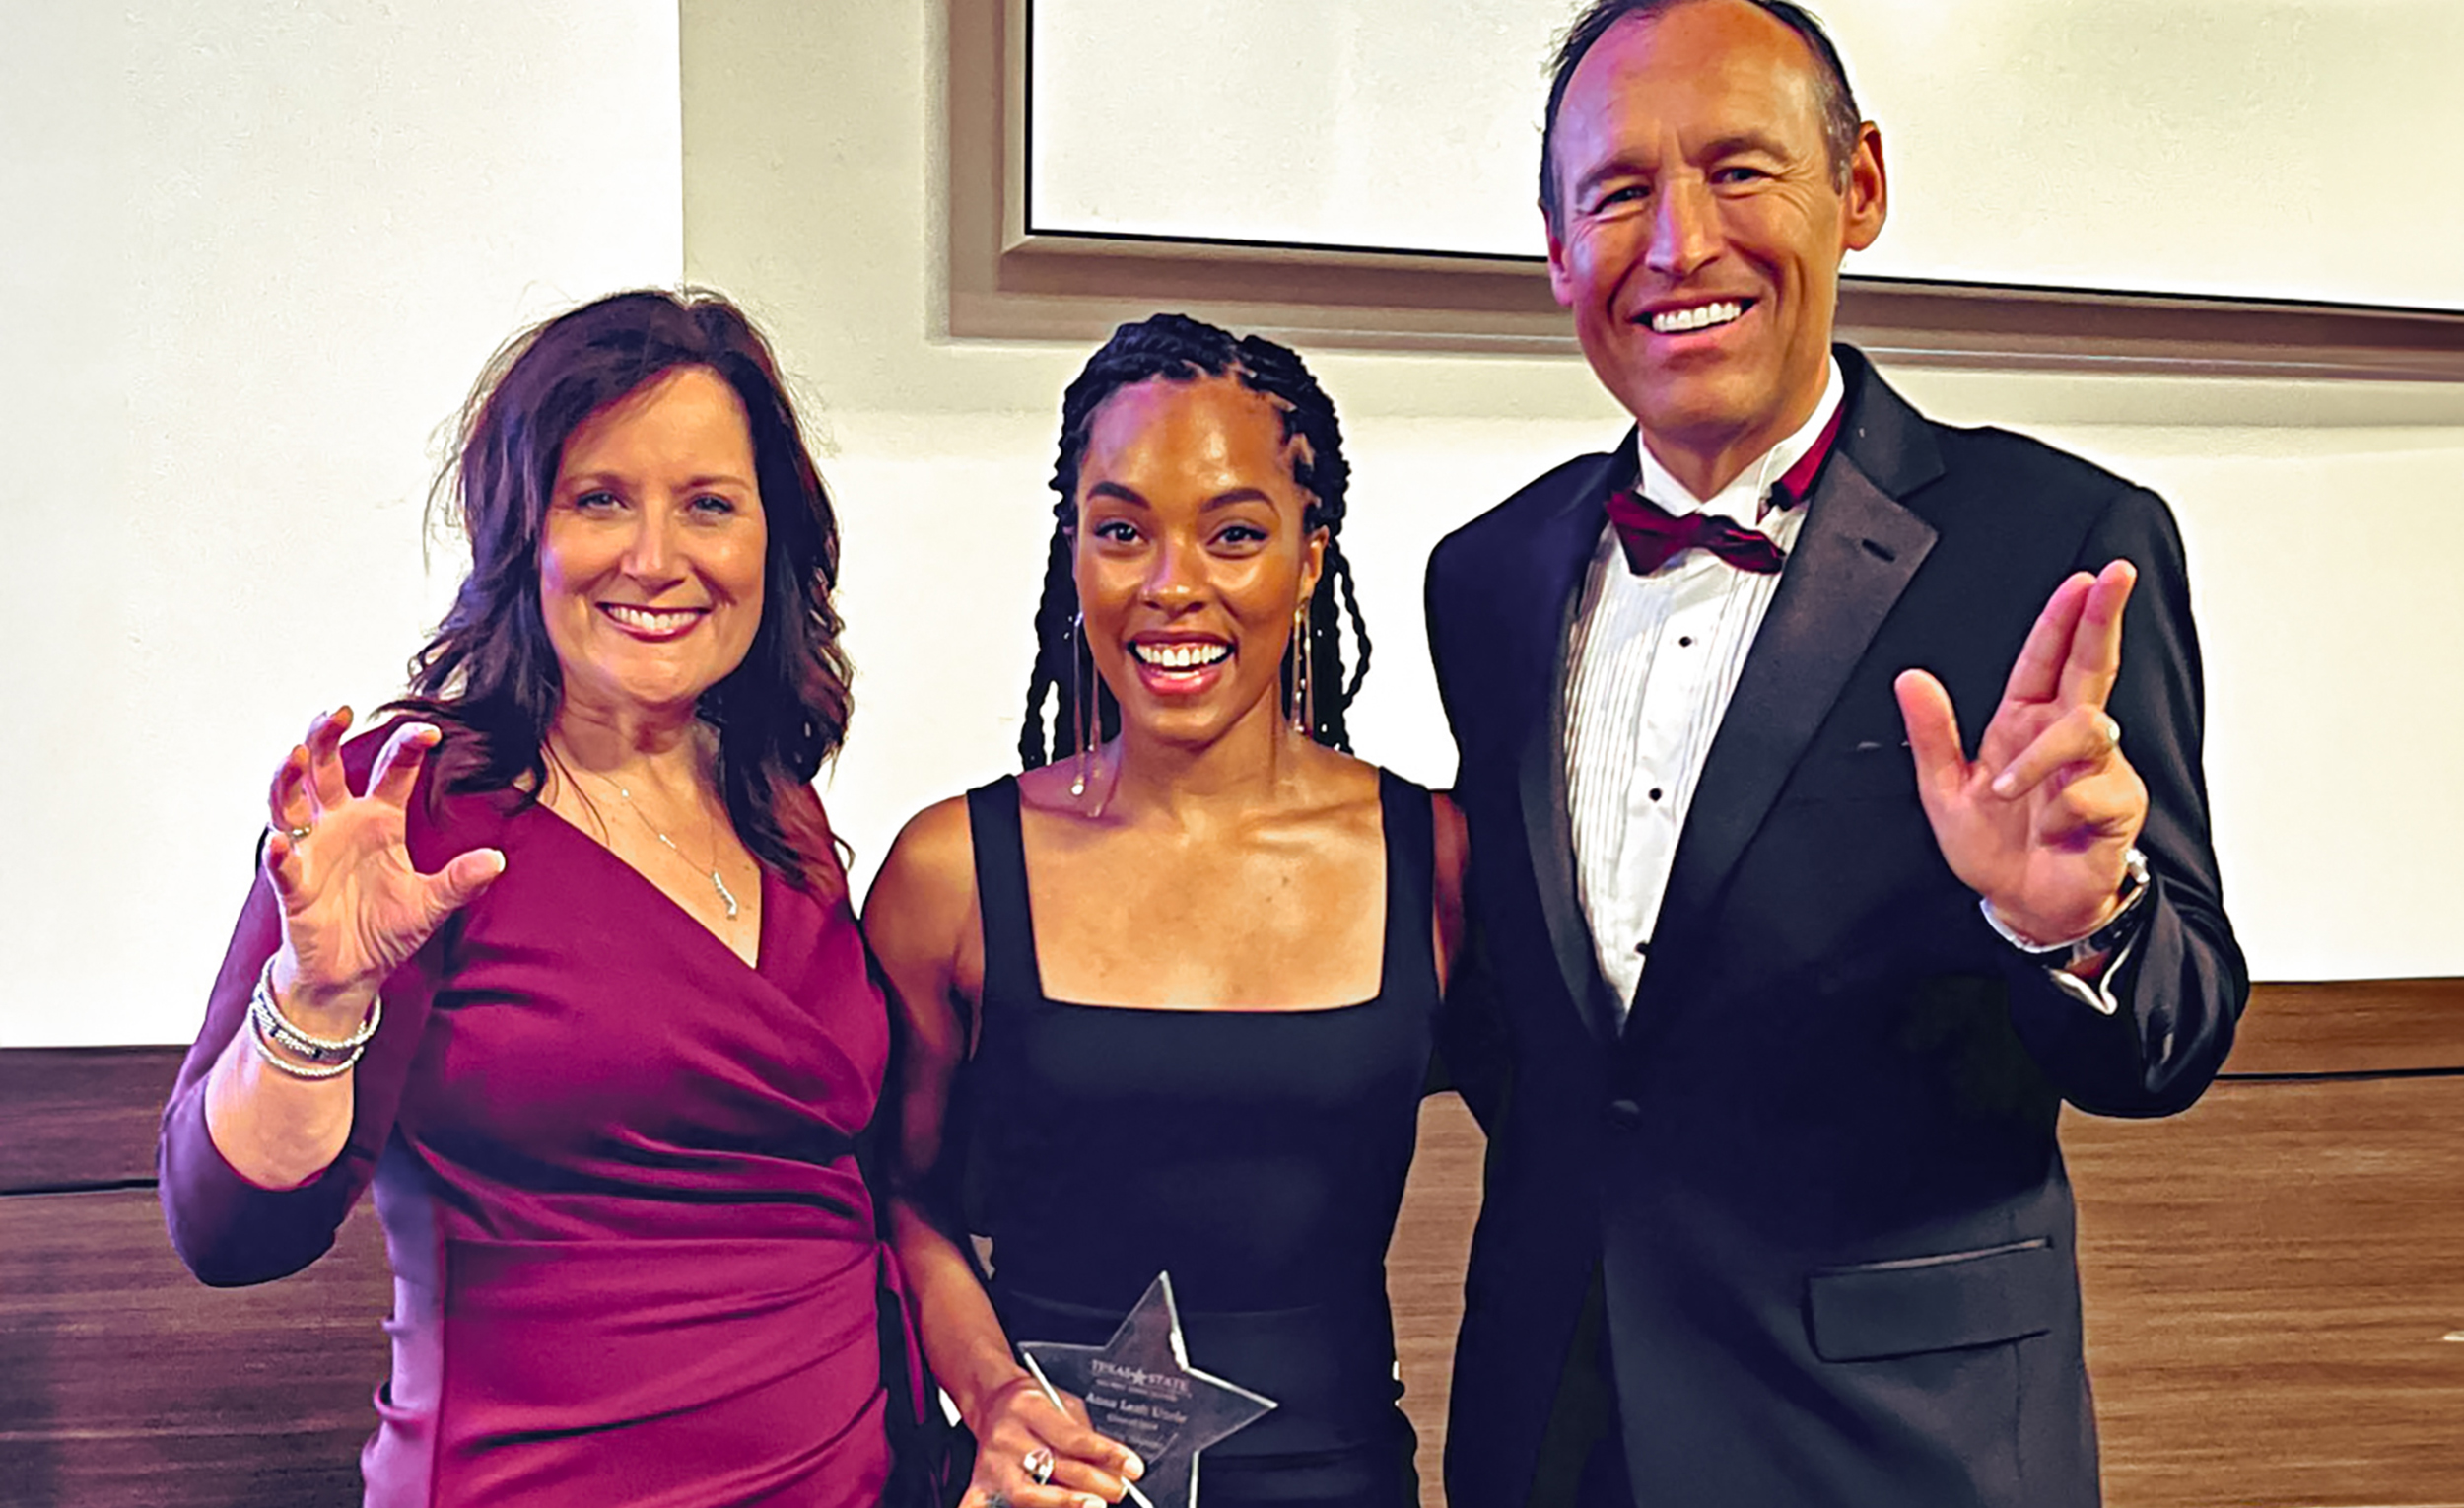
<point x="1179" y="349"/>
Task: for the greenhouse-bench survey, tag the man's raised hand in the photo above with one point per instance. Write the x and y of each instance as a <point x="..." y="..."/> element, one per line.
<point x="2040" y="821"/>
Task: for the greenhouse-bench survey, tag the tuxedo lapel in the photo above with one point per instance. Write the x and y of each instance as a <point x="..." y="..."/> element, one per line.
<point x="1852" y="560"/>
<point x="1561" y="548"/>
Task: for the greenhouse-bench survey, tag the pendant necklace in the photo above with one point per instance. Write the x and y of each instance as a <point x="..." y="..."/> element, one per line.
<point x="726" y="896"/>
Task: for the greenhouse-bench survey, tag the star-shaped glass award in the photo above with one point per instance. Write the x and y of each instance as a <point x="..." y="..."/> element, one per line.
<point x="1142" y="1390"/>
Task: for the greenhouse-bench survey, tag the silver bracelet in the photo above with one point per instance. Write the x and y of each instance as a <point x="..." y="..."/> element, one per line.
<point x="265" y="1050"/>
<point x="274" y="1029"/>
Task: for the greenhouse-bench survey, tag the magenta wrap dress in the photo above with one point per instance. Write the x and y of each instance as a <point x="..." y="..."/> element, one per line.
<point x="634" y="1261"/>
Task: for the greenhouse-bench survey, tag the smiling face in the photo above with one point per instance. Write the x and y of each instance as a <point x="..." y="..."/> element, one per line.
<point x="1702" y="229"/>
<point x="650" y="561"/>
<point x="1193" y="554"/>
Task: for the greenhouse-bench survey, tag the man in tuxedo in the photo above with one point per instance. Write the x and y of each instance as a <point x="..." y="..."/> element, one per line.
<point x="1786" y="990"/>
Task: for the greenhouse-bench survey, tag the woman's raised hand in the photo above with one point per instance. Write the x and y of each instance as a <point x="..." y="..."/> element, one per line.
<point x="352" y="907"/>
<point x="1033" y="1454"/>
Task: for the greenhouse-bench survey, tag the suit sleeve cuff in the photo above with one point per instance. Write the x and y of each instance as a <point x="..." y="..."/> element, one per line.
<point x="2097" y="994"/>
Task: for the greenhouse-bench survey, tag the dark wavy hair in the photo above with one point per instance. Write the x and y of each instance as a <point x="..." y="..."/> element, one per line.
<point x="489" y="677"/>
<point x="1179" y="349"/>
<point x="1832" y="96"/>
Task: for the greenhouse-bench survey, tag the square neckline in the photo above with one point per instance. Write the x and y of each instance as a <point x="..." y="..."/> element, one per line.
<point x="1386" y="922"/>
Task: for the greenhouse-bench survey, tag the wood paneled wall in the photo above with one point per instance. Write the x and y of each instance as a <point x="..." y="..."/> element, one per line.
<point x="123" y="1379"/>
<point x="2275" y="1292"/>
<point x="2275" y="1278"/>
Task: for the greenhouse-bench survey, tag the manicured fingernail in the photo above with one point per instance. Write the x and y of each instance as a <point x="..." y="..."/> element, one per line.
<point x="2006" y="783"/>
<point x="1132" y="1465"/>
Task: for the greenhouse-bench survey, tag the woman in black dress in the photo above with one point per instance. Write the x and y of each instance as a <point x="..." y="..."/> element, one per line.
<point x="1168" y="1001"/>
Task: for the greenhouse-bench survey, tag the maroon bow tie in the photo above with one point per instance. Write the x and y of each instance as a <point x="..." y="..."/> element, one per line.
<point x="1653" y="537"/>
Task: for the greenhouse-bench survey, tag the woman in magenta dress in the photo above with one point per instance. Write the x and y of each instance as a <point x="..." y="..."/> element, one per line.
<point x="562" y="966"/>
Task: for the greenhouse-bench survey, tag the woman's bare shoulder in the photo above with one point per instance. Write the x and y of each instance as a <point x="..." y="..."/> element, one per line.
<point x="1344" y="781"/>
<point x="926" y="887"/>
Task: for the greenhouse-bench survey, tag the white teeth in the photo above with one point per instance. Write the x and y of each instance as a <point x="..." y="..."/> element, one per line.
<point x="1677" y="322"/>
<point x="1181" y="656"/>
<point x="654" y="620"/>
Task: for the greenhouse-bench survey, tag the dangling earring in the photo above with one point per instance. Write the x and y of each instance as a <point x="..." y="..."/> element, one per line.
<point x="1077" y="701"/>
<point x="1304" y="709"/>
<point x="1309" y="677"/>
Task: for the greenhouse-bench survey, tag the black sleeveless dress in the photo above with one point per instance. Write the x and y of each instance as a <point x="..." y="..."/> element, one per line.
<point x="1257" y="1156"/>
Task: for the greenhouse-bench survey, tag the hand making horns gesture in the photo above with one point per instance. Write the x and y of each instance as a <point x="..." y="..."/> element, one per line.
<point x="2040" y="821"/>
<point x="353" y="906"/>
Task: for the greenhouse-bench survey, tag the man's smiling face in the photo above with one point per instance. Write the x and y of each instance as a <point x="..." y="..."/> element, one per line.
<point x="1701" y="229"/>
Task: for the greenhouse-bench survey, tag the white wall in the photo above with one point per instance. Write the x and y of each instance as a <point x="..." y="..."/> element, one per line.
<point x="2324" y="523"/>
<point x="2320" y="516"/>
<point x="2218" y="147"/>
<point x="252" y="255"/>
<point x="253" y="258"/>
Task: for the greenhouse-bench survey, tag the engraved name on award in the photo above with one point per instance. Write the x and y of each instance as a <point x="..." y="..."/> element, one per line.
<point x="1142" y="1390"/>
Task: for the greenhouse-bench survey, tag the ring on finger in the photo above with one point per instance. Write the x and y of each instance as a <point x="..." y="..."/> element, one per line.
<point x="295" y="834"/>
<point x="1038" y="1464"/>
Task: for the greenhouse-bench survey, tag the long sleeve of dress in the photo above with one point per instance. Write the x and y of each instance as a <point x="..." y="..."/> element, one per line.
<point x="229" y="1230"/>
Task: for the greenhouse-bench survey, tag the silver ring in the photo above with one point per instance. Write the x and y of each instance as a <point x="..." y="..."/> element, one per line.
<point x="1038" y="1464"/>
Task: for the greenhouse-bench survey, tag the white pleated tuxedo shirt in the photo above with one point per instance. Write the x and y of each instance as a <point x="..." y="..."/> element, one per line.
<point x="1653" y="660"/>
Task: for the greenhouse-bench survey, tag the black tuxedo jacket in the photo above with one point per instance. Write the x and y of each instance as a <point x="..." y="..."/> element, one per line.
<point x="1814" y="1170"/>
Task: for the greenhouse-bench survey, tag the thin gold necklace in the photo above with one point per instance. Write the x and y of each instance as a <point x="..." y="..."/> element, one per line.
<point x="726" y="896"/>
<point x="718" y="882"/>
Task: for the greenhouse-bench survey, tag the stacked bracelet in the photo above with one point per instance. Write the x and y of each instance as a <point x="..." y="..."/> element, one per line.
<point x="326" y="1058"/>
